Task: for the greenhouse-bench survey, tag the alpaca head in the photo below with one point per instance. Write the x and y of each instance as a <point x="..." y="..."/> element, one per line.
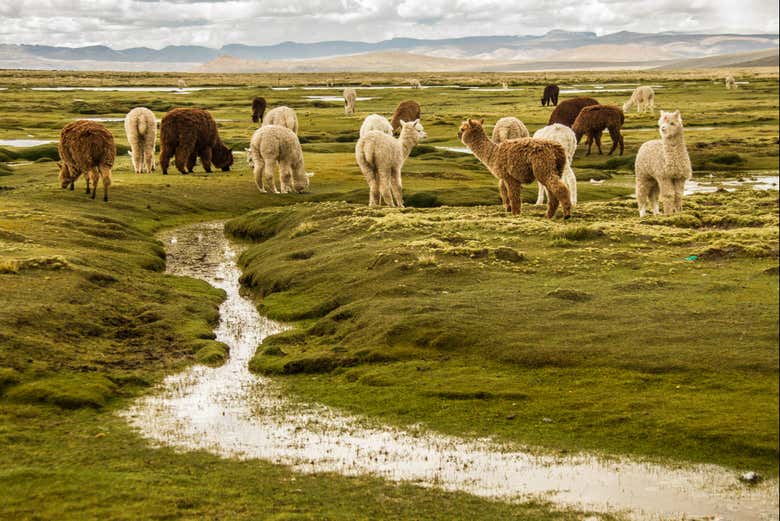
<point x="626" y="106"/>
<point x="249" y="160"/>
<point x="222" y="157"/>
<point x="670" y="124"/>
<point x="300" y="179"/>
<point x="65" y="177"/>
<point x="469" y="128"/>
<point x="414" y="128"/>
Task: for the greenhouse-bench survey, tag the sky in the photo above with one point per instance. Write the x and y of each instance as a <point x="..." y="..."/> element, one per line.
<point x="156" y="23"/>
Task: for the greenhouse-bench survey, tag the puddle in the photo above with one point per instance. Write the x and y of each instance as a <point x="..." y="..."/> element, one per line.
<point x="757" y="182"/>
<point x="655" y="129"/>
<point x="24" y="143"/>
<point x="232" y="413"/>
<point x="335" y="98"/>
<point x="185" y="90"/>
<point x="371" y="87"/>
<point x="459" y="150"/>
<point x="494" y="89"/>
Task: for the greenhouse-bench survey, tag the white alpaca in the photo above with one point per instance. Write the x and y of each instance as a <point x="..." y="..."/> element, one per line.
<point x="731" y="83"/>
<point x="504" y="85"/>
<point x="376" y="122"/>
<point x="282" y="116"/>
<point x="643" y="97"/>
<point x="350" y="96"/>
<point x="415" y="83"/>
<point x="508" y="128"/>
<point x="662" y="167"/>
<point x="568" y="140"/>
<point x="141" y="130"/>
<point x="181" y="84"/>
<point x="274" y="145"/>
<point x="380" y="158"/>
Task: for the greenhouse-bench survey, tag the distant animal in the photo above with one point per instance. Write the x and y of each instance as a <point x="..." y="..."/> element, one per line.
<point x="662" y="167"/>
<point x="644" y="99"/>
<point x="86" y="147"/>
<point x="350" y="96"/>
<point x="568" y="110"/>
<point x="731" y="83"/>
<point x="565" y="136"/>
<point x="415" y="83"/>
<point x="284" y="116"/>
<point x="181" y="83"/>
<point x="272" y="146"/>
<point x="504" y="85"/>
<point x="381" y="157"/>
<point x="407" y="110"/>
<point x="258" y="109"/>
<point x="520" y="161"/>
<point x="508" y="128"/>
<point x="550" y="95"/>
<point x="592" y="122"/>
<point x="188" y="133"/>
<point x="376" y="122"/>
<point x="141" y="130"/>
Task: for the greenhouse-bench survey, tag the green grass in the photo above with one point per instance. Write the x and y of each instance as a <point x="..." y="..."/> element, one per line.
<point x="449" y="313"/>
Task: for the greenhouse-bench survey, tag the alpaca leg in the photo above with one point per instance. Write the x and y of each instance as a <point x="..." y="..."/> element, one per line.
<point x="504" y="193"/>
<point x="268" y="175"/>
<point x="182" y="157"/>
<point x="285" y="178"/>
<point x="570" y="181"/>
<point x="137" y="158"/>
<point x="615" y="135"/>
<point x="557" y="193"/>
<point x="384" y="188"/>
<point x="86" y="178"/>
<point x="191" y="162"/>
<point x="205" y="158"/>
<point x="643" y="189"/>
<point x="589" y="142"/>
<point x="149" y="157"/>
<point x="257" y="170"/>
<point x="513" y="188"/>
<point x="397" y="187"/>
<point x="165" y="159"/>
<point x="679" y="190"/>
<point x="666" y="188"/>
<point x="597" y="137"/>
<point x="540" y="195"/>
<point x="374" y="198"/>
<point x="105" y="173"/>
<point x="94" y="174"/>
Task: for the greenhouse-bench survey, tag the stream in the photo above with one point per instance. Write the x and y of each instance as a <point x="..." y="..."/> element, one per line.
<point x="233" y="413"/>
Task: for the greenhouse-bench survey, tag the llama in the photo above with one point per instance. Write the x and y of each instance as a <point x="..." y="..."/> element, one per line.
<point x="662" y="167"/>
<point x="520" y="161"/>
<point x="569" y="109"/>
<point x="508" y="128"/>
<point x="274" y="145"/>
<point x="565" y="136"/>
<point x="141" y="130"/>
<point x="258" y="109"/>
<point x="415" y="83"/>
<point x="376" y="122"/>
<point x="283" y="116"/>
<point x="185" y="134"/>
<point x="86" y="147"/>
<point x="731" y="83"/>
<point x="643" y="97"/>
<point x="594" y="119"/>
<point x="550" y="95"/>
<point x="407" y="110"/>
<point x="380" y="158"/>
<point x="350" y="96"/>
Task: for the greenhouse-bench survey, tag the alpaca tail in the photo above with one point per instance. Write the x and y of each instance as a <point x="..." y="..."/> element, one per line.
<point x="141" y="126"/>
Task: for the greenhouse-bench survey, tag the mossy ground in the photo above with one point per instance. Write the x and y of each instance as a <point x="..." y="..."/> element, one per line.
<point x="453" y="315"/>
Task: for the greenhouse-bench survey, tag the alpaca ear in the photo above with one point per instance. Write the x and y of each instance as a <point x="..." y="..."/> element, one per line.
<point x="403" y="122"/>
<point x="309" y="174"/>
<point x="482" y="121"/>
<point x="416" y="121"/>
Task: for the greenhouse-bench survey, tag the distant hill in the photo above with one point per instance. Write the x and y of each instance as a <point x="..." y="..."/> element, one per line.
<point x="640" y="49"/>
<point x="768" y="58"/>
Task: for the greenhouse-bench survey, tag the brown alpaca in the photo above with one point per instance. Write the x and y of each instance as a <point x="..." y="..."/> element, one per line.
<point x="550" y="95"/>
<point x="188" y="133"/>
<point x="408" y="110"/>
<point x="594" y="119"/>
<point x="520" y="161"/>
<point x="86" y="147"/>
<point x="258" y="109"/>
<point x="569" y="109"/>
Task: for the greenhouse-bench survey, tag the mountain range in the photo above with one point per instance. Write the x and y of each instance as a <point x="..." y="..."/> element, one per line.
<point x="479" y="52"/>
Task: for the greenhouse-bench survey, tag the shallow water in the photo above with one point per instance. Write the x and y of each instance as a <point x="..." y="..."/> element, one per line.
<point x="176" y="90"/>
<point x="712" y="185"/>
<point x="459" y="150"/>
<point x="24" y="143"/>
<point x="230" y="412"/>
<point x="335" y="98"/>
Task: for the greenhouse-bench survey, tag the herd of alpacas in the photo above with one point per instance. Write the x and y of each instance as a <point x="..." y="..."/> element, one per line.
<point x="510" y="154"/>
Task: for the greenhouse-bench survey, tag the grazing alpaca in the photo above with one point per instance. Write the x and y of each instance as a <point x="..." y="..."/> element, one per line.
<point x="258" y="109"/>
<point x="504" y="85"/>
<point x="662" y="167"/>
<point x="376" y="122"/>
<point x="407" y="110"/>
<point x="594" y="119"/>
<point x="274" y="145"/>
<point x="565" y="136"/>
<point x="508" y="128"/>
<point x="187" y="133"/>
<point x="415" y="83"/>
<point x="86" y="147"/>
<point x="520" y="161"/>
<point x="181" y="83"/>
<point x="643" y="97"/>
<point x="569" y="109"/>
<point x="141" y="130"/>
<point x="731" y="83"/>
<point x="380" y="158"/>
<point x="283" y="116"/>
<point x="550" y="95"/>
<point x="350" y="96"/>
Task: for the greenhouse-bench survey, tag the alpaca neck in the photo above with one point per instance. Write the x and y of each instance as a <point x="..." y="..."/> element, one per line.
<point x="408" y="140"/>
<point x="483" y="148"/>
<point x="674" y="144"/>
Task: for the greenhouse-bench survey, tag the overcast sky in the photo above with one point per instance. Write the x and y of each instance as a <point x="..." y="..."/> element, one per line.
<point x="151" y="23"/>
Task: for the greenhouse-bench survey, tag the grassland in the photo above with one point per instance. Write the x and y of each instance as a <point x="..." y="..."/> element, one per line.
<point x="451" y="314"/>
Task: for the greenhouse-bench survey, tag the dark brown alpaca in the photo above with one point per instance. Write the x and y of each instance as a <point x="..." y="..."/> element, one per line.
<point x="258" y="109"/>
<point x="550" y="95"/>
<point x="86" y="147"/>
<point x="189" y="133"/>
<point x="520" y="161"/>
<point x="408" y="110"/>
<point x="569" y="109"/>
<point x="593" y="120"/>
